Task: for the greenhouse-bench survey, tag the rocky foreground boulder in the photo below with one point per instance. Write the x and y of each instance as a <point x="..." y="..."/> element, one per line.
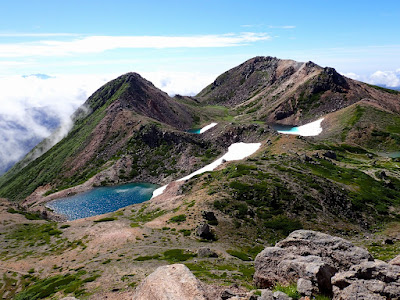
<point x="176" y="282"/>
<point x="173" y="282"/>
<point x="323" y="264"/>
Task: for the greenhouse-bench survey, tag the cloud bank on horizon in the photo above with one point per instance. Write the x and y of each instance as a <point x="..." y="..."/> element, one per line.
<point x="389" y="79"/>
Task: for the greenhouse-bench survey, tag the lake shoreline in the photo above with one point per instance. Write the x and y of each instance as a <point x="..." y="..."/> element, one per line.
<point x="101" y="200"/>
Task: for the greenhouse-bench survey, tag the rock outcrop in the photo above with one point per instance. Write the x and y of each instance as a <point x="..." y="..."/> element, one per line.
<point x="312" y="256"/>
<point x="173" y="282"/>
<point x="206" y="252"/>
<point x="371" y="279"/>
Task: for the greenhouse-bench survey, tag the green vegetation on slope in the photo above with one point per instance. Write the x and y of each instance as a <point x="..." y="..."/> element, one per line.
<point x="68" y="284"/>
<point x="369" y="127"/>
<point x="379" y="88"/>
<point x="270" y="196"/>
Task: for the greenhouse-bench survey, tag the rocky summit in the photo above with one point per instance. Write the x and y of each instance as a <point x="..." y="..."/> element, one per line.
<point x="304" y="215"/>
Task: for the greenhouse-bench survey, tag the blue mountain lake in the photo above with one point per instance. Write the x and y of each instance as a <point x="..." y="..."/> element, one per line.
<point x="395" y="154"/>
<point x="285" y="128"/>
<point x="101" y="200"/>
<point x="194" y="130"/>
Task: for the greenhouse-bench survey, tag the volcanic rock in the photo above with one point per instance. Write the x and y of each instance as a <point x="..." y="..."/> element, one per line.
<point x="307" y="254"/>
<point x="173" y="282"/>
<point x="369" y="279"/>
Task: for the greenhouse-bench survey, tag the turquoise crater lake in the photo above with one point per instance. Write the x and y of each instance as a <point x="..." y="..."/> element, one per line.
<point x="101" y="200"/>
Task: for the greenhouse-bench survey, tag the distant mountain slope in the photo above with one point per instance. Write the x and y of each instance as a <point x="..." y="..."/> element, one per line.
<point x="289" y="92"/>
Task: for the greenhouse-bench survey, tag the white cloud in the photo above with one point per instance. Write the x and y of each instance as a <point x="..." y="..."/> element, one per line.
<point x="182" y="83"/>
<point x="352" y="75"/>
<point x="98" y="44"/>
<point x="387" y="78"/>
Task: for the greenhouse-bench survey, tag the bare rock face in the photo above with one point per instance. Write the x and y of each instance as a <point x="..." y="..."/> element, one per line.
<point x="310" y="255"/>
<point x="370" y="279"/>
<point x="173" y="282"/>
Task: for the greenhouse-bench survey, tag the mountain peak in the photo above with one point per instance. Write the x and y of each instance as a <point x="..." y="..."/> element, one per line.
<point x="132" y="92"/>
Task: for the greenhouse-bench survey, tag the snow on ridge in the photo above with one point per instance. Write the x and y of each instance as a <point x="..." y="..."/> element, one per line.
<point x="236" y="151"/>
<point x="209" y="126"/>
<point x="310" y="129"/>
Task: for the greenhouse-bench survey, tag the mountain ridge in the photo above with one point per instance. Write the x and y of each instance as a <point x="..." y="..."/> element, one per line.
<point x="289" y="92"/>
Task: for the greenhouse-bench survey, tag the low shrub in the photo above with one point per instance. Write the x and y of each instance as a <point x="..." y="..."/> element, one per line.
<point x="178" y="219"/>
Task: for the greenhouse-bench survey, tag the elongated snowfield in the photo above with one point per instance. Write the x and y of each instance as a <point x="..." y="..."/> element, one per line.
<point x="236" y="151"/>
<point x="310" y="129"/>
<point x="209" y="126"/>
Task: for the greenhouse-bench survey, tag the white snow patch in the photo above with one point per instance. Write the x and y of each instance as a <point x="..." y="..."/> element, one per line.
<point x="159" y="191"/>
<point x="236" y="151"/>
<point x="310" y="129"/>
<point x="209" y="126"/>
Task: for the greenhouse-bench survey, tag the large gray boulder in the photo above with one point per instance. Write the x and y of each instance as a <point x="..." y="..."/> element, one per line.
<point x="313" y="256"/>
<point x="173" y="282"/>
<point x="373" y="279"/>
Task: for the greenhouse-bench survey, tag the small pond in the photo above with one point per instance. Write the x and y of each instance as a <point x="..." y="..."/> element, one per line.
<point x="394" y="154"/>
<point x="201" y="130"/>
<point x="284" y="128"/>
<point x="310" y="129"/>
<point x="102" y="200"/>
<point x="194" y="130"/>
